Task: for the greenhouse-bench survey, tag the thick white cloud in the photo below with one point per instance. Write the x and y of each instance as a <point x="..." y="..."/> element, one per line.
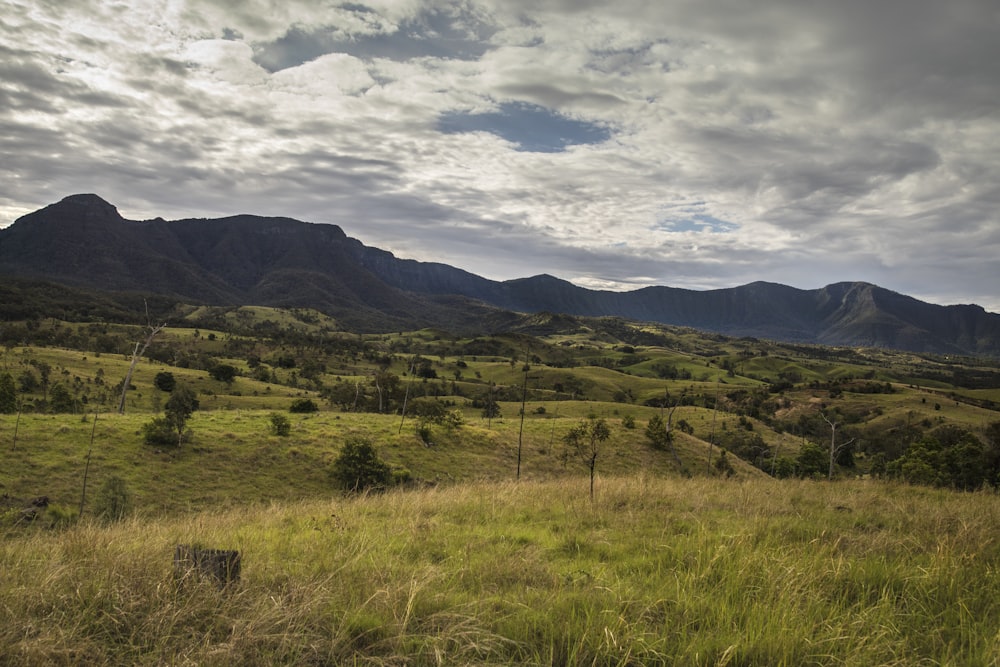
<point x="802" y="143"/>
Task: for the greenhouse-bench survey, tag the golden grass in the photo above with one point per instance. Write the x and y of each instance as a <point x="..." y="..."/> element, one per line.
<point x="656" y="571"/>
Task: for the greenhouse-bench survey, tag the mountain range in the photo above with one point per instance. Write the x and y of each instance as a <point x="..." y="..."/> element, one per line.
<point x="83" y="241"/>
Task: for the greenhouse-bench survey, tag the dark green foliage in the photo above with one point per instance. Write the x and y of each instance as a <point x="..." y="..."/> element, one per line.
<point x="160" y="431"/>
<point x="425" y="370"/>
<point x="223" y="373"/>
<point x="949" y="456"/>
<point x="8" y="394"/>
<point x="747" y="445"/>
<point x="429" y="409"/>
<point x="723" y="465"/>
<point x="491" y="409"/>
<point x="165" y="381"/>
<point x="280" y="424"/>
<point x="303" y="406"/>
<point x="61" y="399"/>
<point x="169" y="429"/>
<point x="359" y="468"/>
<point x="27" y="381"/>
<point x="113" y="500"/>
<point x="657" y="434"/>
<point x="812" y="460"/>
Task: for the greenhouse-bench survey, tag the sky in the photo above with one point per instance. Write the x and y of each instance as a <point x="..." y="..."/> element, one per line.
<point x="700" y="144"/>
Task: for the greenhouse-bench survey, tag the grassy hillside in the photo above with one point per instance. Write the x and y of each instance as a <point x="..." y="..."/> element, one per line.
<point x="656" y="571"/>
<point x="761" y="401"/>
<point x="677" y="560"/>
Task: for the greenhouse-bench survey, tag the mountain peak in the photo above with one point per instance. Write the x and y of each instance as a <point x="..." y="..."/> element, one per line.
<point x="89" y="205"/>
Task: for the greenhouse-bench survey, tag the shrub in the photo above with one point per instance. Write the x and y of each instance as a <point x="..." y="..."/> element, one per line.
<point x="223" y="373"/>
<point x="160" y="431"/>
<point x="359" y="468"/>
<point x="280" y="425"/>
<point x="165" y="381"/>
<point x="303" y="405"/>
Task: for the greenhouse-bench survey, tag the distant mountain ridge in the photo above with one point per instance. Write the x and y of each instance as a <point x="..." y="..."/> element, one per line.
<point x="252" y="260"/>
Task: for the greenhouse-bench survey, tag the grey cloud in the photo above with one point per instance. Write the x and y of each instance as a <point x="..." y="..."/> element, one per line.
<point x="849" y="140"/>
<point x="445" y="32"/>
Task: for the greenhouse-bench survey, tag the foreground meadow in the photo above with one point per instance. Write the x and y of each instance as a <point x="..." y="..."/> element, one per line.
<point x="654" y="571"/>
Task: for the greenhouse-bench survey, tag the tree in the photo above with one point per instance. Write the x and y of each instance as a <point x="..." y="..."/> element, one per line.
<point x="657" y="433"/>
<point x="136" y="355"/>
<point x="8" y="394"/>
<point x="811" y="460"/>
<point x="359" y="468"/>
<point x="584" y="441"/>
<point x="61" y="399"/>
<point x="834" y="447"/>
<point x="491" y="408"/>
<point x="27" y="381"/>
<point x="178" y="409"/>
<point x="165" y="381"/>
<point x="223" y="373"/>
<point x="386" y="386"/>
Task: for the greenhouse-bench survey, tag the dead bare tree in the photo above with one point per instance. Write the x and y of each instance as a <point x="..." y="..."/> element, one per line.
<point x="136" y="355"/>
<point x="834" y="447"/>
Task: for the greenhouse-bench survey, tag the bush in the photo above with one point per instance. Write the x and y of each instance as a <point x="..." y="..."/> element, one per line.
<point x="359" y="468"/>
<point x="161" y="431"/>
<point x="223" y="373"/>
<point x="280" y="425"/>
<point x="303" y="405"/>
<point x="165" y="381"/>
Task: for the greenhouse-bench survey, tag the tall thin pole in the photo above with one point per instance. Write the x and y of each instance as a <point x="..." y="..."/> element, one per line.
<point x="406" y="396"/>
<point x="711" y="438"/>
<point x="17" y="423"/>
<point x="86" y="469"/>
<point x="524" y="398"/>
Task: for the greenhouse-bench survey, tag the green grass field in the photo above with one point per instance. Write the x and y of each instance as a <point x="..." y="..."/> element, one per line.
<point x="655" y="571"/>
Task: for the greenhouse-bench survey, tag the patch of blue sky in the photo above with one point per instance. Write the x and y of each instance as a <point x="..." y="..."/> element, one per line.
<point x="530" y="127"/>
<point x="431" y="34"/>
<point x="700" y="223"/>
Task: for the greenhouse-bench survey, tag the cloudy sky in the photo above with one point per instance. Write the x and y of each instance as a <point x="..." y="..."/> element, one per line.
<point x="690" y="143"/>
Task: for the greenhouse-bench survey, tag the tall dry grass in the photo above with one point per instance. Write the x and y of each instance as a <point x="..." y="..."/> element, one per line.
<point x="656" y="571"/>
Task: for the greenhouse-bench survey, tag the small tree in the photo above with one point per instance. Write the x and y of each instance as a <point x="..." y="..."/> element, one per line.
<point x="61" y="399"/>
<point x="584" y="441"/>
<point x="223" y="373"/>
<point x="165" y="381"/>
<point x="178" y="409"/>
<point x="658" y="434"/>
<point x="359" y="468"/>
<point x="280" y="424"/>
<point x="8" y="394"/>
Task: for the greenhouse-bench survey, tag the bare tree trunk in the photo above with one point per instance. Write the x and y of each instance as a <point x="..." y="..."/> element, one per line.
<point x="711" y="438"/>
<point x="833" y="443"/>
<point x="136" y="355"/>
<point x="17" y="422"/>
<point x="524" y="399"/>
<point x="406" y="396"/>
<point x="86" y="469"/>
